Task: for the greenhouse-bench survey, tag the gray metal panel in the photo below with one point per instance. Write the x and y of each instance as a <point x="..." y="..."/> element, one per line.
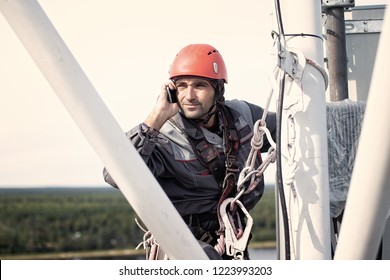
<point x="362" y="47"/>
<point x="361" y="53"/>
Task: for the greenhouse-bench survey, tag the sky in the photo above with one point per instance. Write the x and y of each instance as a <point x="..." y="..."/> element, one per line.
<point x="125" y="48"/>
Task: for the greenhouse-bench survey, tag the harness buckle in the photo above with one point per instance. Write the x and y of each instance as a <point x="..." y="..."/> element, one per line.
<point x="231" y="164"/>
<point x="235" y="243"/>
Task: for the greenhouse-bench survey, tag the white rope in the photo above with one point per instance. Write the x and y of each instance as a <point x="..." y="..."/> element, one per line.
<point x="289" y="176"/>
<point x="220" y="247"/>
<point x="150" y="245"/>
<point x="259" y="130"/>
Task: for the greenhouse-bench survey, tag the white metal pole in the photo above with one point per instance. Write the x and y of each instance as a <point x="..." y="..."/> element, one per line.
<point x="83" y="103"/>
<point x="368" y="201"/>
<point x="308" y="205"/>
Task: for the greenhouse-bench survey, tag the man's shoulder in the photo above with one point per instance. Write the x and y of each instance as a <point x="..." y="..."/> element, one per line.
<point x="249" y="111"/>
<point x="240" y="106"/>
<point x="176" y="127"/>
<point x="235" y="102"/>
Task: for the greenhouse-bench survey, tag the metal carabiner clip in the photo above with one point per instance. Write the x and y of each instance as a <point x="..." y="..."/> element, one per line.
<point x="235" y="246"/>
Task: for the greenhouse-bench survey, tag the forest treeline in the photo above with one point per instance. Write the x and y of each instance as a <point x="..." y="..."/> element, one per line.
<point x="43" y="220"/>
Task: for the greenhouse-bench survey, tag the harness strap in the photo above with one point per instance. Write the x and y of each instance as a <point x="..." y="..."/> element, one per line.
<point x="209" y="156"/>
<point x="231" y="146"/>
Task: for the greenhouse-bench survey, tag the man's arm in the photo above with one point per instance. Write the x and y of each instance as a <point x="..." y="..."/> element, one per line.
<point x="144" y="136"/>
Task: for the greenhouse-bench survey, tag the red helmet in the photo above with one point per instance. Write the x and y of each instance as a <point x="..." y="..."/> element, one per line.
<point x="199" y="60"/>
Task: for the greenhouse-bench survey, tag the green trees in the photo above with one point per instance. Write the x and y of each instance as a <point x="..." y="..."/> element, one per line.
<point x="84" y="219"/>
<point x="264" y="218"/>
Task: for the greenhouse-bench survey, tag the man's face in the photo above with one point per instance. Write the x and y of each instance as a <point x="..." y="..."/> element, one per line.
<point x="195" y="96"/>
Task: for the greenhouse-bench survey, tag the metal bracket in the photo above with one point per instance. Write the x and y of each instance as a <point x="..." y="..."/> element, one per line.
<point x="331" y="4"/>
<point x="363" y="26"/>
<point x="293" y="62"/>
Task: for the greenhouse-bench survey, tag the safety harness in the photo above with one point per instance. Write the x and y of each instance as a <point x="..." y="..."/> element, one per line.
<point x="230" y="237"/>
<point x="209" y="155"/>
<point x="226" y="173"/>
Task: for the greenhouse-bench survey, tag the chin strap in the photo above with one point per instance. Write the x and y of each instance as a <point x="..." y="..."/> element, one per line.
<point x="209" y="114"/>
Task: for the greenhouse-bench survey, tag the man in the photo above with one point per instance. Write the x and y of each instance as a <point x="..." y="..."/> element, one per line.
<point x="197" y="146"/>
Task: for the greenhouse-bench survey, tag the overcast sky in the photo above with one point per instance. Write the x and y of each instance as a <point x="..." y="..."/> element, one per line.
<point x="125" y="47"/>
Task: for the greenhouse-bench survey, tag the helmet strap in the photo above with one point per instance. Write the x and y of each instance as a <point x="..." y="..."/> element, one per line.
<point x="211" y="112"/>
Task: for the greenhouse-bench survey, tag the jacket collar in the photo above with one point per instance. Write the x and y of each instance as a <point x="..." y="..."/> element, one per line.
<point x="193" y="130"/>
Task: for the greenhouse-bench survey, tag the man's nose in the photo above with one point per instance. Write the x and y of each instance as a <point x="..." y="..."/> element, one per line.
<point x="190" y="94"/>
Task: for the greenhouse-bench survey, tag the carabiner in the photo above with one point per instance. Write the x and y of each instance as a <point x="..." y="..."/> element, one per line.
<point x="235" y="246"/>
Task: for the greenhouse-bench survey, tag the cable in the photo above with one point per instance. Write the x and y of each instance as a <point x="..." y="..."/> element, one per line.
<point x="282" y="40"/>
<point x="279" y="173"/>
<point x="304" y="35"/>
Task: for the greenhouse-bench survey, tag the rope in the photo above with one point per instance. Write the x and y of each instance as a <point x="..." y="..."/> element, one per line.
<point x="259" y="130"/>
<point x="150" y="245"/>
<point x="220" y="247"/>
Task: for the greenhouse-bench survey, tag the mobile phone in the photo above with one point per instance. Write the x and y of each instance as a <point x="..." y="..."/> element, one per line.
<point x="172" y="98"/>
